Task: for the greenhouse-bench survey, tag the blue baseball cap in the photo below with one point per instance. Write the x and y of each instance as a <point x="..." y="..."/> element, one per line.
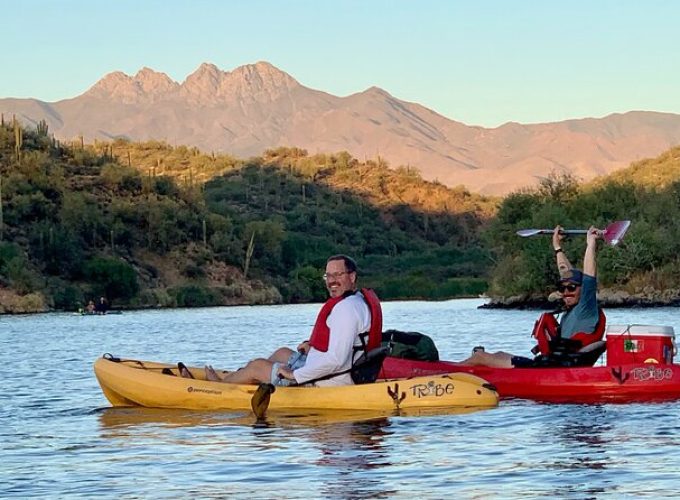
<point x="574" y="276"/>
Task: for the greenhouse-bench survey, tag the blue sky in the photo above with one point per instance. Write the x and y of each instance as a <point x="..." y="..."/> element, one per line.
<point x="481" y="62"/>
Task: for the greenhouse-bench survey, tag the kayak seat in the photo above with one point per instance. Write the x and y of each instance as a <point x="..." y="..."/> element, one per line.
<point x="589" y="354"/>
<point x="584" y="357"/>
<point x="600" y="344"/>
<point x="366" y="368"/>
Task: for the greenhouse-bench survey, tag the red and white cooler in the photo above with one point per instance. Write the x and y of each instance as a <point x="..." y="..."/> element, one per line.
<point x="628" y="344"/>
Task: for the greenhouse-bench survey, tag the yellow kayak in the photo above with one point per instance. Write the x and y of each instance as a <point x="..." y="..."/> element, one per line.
<point x="128" y="382"/>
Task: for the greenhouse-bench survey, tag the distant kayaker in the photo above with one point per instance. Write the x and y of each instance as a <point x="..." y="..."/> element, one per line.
<point x="578" y="291"/>
<point x="102" y="306"/>
<point x="344" y="325"/>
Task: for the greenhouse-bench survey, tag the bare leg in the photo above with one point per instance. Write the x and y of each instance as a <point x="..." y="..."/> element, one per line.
<point x="498" y="359"/>
<point x="256" y="371"/>
<point x="281" y="355"/>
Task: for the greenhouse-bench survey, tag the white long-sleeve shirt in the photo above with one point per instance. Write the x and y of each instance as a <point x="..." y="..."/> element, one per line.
<point x="347" y="320"/>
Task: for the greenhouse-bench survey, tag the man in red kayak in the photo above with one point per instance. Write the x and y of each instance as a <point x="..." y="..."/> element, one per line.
<point x="578" y="291"/>
<point x="348" y="323"/>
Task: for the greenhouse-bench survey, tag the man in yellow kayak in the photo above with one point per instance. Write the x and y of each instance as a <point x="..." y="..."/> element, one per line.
<point x="349" y="323"/>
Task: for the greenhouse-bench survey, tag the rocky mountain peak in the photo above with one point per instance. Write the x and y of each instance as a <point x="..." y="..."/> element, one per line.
<point x="154" y="82"/>
<point x="263" y="75"/>
<point x="377" y="91"/>
<point x="204" y="82"/>
<point x="146" y="84"/>
<point x="257" y="81"/>
<point x="116" y="85"/>
<point x="206" y="71"/>
<point x="206" y="85"/>
<point x="209" y="85"/>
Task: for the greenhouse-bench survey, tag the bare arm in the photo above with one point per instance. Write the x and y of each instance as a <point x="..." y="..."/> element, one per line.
<point x="563" y="264"/>
<point x="589" y="264"/>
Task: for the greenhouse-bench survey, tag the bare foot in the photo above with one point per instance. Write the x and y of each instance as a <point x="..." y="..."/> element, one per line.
<point x="184" y="371"/>
<point x="211" y="374"/>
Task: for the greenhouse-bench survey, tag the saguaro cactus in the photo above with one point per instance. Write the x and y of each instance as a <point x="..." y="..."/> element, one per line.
<point x="42" y="128"/>
<point x="2" y="221"/>
<point x="18" y="138"/>
<point x="249" y="255"/>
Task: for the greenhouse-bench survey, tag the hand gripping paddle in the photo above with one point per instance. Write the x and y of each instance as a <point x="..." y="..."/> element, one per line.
<point x="612" y="234"/>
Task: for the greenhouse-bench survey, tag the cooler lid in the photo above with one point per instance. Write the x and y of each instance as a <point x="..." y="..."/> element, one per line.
<point x="644" y="330"/>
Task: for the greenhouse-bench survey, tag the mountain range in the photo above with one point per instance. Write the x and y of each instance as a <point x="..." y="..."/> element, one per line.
<point x="257" y="106"/>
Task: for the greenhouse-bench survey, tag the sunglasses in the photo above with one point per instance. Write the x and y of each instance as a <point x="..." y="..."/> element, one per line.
<point x="568" y="288"/>
<point x="329" y="276"/>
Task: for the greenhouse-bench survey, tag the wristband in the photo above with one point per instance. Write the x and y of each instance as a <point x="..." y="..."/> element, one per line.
<point x="558" y="251"/>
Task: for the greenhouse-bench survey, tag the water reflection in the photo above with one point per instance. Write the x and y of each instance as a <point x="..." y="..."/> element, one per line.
<point x="121" y="418"/>
<point x="347" y="452"/>
<point x="585" y="428"/>
<point x="353" y="449"/>
<point x="343" y="443"/>
<point x="582" y="444"/>
<point x="134" y="417"/>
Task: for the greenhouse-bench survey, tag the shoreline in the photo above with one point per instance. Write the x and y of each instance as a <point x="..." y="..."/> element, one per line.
<point x="606" y="298"/>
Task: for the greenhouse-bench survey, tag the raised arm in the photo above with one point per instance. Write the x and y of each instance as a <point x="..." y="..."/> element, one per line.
<point x="563" y="264"/>
<point x="589" y="259"/>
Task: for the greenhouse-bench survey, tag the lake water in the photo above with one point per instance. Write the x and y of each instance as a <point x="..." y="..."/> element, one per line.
<point x="61" y="439"/>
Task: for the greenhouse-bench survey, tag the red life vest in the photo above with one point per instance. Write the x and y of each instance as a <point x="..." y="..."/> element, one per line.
<point x="546" y="331"/>
<point x="321" y="333"/>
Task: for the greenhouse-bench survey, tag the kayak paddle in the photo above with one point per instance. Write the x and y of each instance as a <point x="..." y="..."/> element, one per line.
<point x="260" y="400"/>
<point x="374" y="358"/>
<point x="612" y="234"/>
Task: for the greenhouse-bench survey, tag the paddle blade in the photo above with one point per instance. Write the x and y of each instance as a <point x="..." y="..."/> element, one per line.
<point x="615" y="232"/>
<point x="612" y="234"/>
<point x="260" y="401"/>
<point x="533" y="232"/>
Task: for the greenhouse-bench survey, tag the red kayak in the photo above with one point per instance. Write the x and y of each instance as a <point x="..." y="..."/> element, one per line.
<point x="639" y="368"/>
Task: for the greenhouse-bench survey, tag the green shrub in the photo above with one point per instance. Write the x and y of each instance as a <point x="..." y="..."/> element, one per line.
<point x="8" y="251"/>
<point x="111" y="277"/>
<point x="165" y="186"/>
<point x="194" y="296"/>
<point x="67" y="297"/>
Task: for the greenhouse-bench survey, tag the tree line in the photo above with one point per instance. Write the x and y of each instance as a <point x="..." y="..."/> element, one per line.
<point x="141" y="224"/>
<point x="149" y="224"/>
<point x="647" y="193"/>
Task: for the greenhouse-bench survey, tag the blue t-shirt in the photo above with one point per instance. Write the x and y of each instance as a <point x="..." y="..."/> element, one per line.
<point x="584" y="315"/>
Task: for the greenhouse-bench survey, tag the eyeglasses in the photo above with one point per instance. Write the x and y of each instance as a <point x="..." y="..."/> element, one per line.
<point x="568" y="288"/>
<point x="328" y="276"/>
